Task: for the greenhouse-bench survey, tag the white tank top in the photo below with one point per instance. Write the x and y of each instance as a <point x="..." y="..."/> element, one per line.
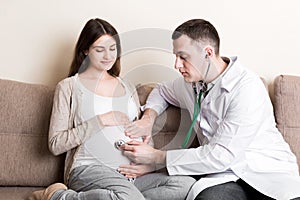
<point x="100" y="148"/>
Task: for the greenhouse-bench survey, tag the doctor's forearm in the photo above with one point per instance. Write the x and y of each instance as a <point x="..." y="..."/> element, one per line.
<point x="150" y="114"/>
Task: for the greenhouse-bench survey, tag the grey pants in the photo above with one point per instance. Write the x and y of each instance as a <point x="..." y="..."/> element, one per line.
<point x="232" y="191"/>
<point x="101" y="182"/>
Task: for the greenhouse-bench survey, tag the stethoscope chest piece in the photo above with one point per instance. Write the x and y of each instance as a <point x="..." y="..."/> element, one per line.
<point x="119" y="143"/>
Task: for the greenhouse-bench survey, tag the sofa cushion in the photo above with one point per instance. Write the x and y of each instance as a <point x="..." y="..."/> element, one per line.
<point x="16" y="193"/>
<point x="24" y="121"/>
<point x="287" y="110"/>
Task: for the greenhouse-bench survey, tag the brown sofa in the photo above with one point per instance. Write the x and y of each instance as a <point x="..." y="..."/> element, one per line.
<point x="27" y="165"/>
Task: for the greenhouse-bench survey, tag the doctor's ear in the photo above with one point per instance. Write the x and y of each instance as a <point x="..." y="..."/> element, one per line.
<point x="208" y="51"/>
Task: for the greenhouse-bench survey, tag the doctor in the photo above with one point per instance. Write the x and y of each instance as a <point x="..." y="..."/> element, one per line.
<point x="241" y="155"/>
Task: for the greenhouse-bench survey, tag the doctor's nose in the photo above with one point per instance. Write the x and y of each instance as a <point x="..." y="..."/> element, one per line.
<point x="178" y="63"/>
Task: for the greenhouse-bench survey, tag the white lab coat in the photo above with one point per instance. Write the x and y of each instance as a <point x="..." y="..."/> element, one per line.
<point x="239" y="136"/>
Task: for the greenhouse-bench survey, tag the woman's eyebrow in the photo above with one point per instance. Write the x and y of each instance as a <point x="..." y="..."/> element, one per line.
<point x="99" y="46"/>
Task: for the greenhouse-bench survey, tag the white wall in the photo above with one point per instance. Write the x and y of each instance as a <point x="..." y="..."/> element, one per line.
<point x="37" y="37"/>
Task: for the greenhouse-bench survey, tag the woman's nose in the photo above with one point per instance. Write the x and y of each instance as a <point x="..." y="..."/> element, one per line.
<point x="107" y="55"/>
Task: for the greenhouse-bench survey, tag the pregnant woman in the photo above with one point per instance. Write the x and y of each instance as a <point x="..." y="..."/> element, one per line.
<point x="90" y="109"/>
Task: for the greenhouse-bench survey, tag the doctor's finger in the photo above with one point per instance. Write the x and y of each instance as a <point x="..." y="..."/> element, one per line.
<point x="130" y="156"/>
<point x="128" y="175"/>
<point x="146" y="139"/>
<point x="134" y="143"/>
<point x="127" y="147"/>
<point x="132" y="130"/>
<point x="130" y="125"/>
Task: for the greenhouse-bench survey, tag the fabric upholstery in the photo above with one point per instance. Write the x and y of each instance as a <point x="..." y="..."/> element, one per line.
<point x="287" y="110"/>
<point x="16" y="193"/>
<point x="25" y="112"/>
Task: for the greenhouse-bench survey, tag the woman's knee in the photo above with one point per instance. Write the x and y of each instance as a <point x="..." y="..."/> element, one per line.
<point x="119" y="194"/>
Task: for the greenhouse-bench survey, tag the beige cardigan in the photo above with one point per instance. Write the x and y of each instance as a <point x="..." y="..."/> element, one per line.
<point x="67" y="128"/>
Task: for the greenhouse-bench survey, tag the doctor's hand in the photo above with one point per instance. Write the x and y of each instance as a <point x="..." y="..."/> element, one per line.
<point x="133" y="170"/>
<point x="142" y="153"/>
<point x="113" y="118"/>
<point x="139" y="128"/>
<point x="142" y="127"/>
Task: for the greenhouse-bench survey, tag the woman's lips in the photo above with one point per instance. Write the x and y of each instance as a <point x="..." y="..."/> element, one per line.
<point x="106" y="62"/>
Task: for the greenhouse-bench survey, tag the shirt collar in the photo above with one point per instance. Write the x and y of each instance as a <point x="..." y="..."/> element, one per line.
<point x="232" y="75"/>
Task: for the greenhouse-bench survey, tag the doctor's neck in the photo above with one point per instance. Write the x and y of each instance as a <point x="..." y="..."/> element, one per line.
<point x="216" y="68"/>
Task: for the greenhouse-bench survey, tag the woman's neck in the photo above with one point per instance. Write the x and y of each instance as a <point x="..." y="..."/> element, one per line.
<point x="92" y="74"/>
<point x="101" y="83"/>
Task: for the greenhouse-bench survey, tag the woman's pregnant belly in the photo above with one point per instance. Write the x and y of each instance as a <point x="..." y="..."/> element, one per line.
<point x="101" y="147"/>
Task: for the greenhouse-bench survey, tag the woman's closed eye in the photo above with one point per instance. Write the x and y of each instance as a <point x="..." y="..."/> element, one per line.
<point x="99" y="50"/>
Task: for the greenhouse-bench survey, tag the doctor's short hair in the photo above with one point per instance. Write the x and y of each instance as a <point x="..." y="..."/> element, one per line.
<point x="199" y="30"/>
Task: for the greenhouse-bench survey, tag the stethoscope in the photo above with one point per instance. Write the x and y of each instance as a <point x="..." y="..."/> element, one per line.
<point x="197" y="109"/>
<point x="197" y="105"/>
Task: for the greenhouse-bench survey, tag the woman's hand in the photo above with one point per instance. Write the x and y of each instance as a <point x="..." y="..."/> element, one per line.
<point x="133" y="170"/>
<point x="114" y="118"/>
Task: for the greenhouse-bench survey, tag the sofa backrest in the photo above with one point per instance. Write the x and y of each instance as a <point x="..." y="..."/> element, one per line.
<point x="24" y="121"/>
<point x="171" y="127"/>
<point x="287" y="110"/>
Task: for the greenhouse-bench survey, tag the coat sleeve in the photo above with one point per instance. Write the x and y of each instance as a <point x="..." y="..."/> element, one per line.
<point x="163" y="95"/>
<point x="63" y="136"/>
<point x="249" y="106"/>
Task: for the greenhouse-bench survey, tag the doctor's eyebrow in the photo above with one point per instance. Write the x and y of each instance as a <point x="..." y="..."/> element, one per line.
<point x="180" y="53"/>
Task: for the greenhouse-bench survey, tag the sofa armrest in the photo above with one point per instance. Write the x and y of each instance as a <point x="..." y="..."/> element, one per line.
<point x="287" y="110"/>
